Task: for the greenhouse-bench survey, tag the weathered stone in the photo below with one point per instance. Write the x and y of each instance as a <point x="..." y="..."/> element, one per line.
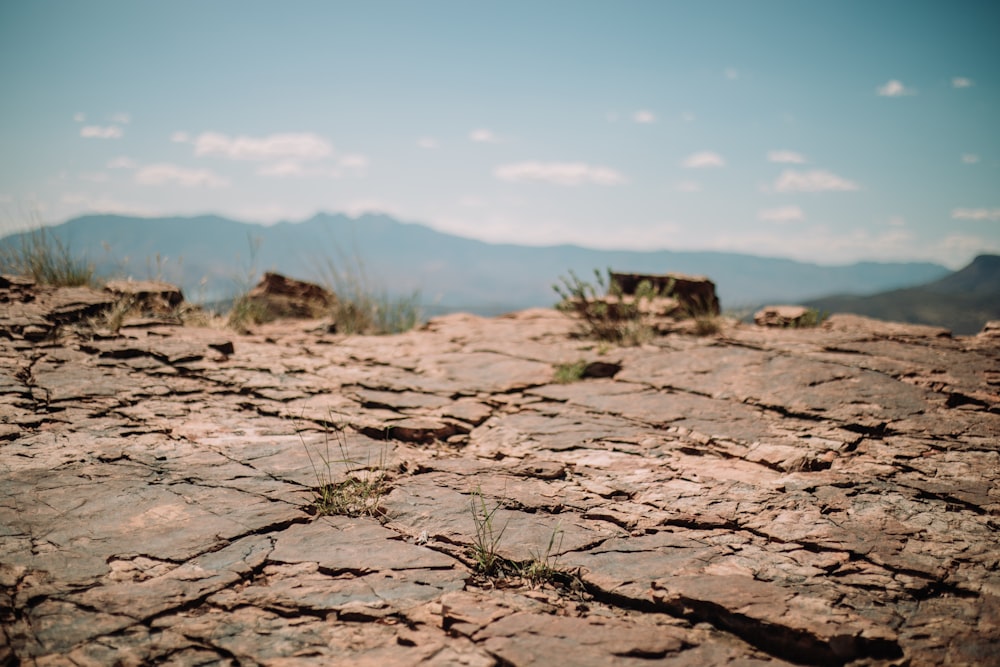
<point x="824" y="495"/>
<point x="782" y="317"/>
<point x="280" y="296"/>
<point x="147" y="296"/>
<point x="696" y="294"/>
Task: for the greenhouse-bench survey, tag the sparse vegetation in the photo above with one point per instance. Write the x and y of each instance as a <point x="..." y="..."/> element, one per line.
<point x="47" y="259"/>
<point x="605" y="312"/>
<point x="485" y="545"/>
<point x="543" y="567"/>
<point x="812" y="318"/>
<point x="362" y="307"/>
<point x="359" y="492"/>
<point x="570" y="372"/>
<point x="707" y="322"/>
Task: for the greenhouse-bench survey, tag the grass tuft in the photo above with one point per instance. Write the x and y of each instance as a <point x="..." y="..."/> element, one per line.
<point x="570" y="372"/>
<point x="46" y="259"/>
<point x="359" y="493"/>
<point x="485" y="546"/>
<point x="361" y="306"/>
<point x="605" y="312"/>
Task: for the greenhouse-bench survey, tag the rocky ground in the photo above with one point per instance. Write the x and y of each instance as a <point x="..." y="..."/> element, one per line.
<point x="759" y="496"/>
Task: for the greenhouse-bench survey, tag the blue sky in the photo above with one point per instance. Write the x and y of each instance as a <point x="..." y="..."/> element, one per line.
<point x="828" y="132"/>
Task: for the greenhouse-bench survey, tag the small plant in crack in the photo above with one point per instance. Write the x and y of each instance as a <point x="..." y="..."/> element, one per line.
<point x="359" y="492"/>
<point x="543" y="568"/>
<point x="486" y="544"/>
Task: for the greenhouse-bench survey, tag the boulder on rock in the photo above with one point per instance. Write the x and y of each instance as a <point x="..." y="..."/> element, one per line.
<point x="784" y="317"/>
<point x="150" y="296"/>
<point x="283" y="297"/>
<point x="696" y="294"/>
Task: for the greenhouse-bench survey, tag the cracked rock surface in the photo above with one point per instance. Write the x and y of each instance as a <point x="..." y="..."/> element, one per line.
<point x="763" y="496"/>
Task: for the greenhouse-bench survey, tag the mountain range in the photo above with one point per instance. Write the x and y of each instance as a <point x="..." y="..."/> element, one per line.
<point x="213" y="258"/>
<point x="962" y="301"/>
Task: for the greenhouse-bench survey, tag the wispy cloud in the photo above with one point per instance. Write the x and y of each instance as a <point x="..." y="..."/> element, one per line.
<point x="301" y="146"/>
<point x="962" y="82"/>
<point x="79" y="117"/>
<point x="180" y="137"/>
<point x="894" y="88"/>
<point x="970" y="158"/>
<point x="100" y="132"/>
<point x="731" y="73"/>
<point x="991" y="214"/>
<point x="688" y="186"/>
<point x="355" y="164"/>
<point x="559" y="173"/>
<point x="702" y="160"/>
<point x="484" y="136"/>
<point x="644" y="116"/>
<point x="816" y="180"/>
<point x="121" y="118"/>
<point x="782" y="214"/>
<point x="790" y="157"/>
<point x="427" y="142"/>
<point x="121" y="162"/>
<point x="165" y="174"/>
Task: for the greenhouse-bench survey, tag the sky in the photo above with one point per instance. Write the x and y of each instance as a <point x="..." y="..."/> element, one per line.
<point x="828" y="132"/>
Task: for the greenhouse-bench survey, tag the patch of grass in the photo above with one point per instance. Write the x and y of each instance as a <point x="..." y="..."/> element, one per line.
<point x="361" y="306"/>
<point x="605" y="312"/>
<point x="543" y="567"/>
<point x="812" y="318"/>
<point x="359" y="492"/>
<point x="570" y="372"/>
<point x="485" y="545"/>
<point x="245" y="312"/>
<point x="48" y="260"/>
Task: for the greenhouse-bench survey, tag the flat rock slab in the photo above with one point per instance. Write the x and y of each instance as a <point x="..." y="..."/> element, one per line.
<point x="759" y="497"/>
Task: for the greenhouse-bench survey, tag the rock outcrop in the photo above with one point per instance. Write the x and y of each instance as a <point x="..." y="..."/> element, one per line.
<point x="764" y="496"/>
<point x="281" y="297"/>
<point x="696" y="294"/>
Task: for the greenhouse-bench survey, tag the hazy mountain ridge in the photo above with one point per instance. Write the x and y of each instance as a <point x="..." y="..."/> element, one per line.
<point x="212" y="258"/>
<point x="963" y="301"/>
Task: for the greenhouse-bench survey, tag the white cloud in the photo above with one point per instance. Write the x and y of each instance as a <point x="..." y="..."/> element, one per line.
<point x="991" y="214"/>
<point x="93" y="176"/>
<point x="282" y="168"/>
<point x="483" y="136"/>
<point x="644" y="116"/>
<point x="894" y="88"/>
<point x="688" y="186"/>
<point x="180" y="137"/>
<point x="816" y="180"/>
<point x="782" y="214"/>
<point x="121" y="118"/>
<point x="121" y="162"/>
<point x="353" y="161"/>
<point x="6" y="199"/>
<point x="970" y="158"/>
<point x="427" y="142"/>
<point x="731" y="73"/>
<point x="703" y="159"/>
<point x="301" y="146"/>
<point x="79" y="117"/>
<point x="99" y="132"/>
<point x="790" y="157"/>
<point x="897" y="221"/>
<point x="164" y="174"/>
<point x="962" y="82"/>
<point x="560" y="173"/>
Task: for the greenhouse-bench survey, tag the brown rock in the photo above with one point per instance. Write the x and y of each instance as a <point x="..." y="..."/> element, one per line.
<point x="149" y="296"/>
<point x="282" y="297"/>
<point x="696" y="294"/>
<point x="782" y="317"/>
